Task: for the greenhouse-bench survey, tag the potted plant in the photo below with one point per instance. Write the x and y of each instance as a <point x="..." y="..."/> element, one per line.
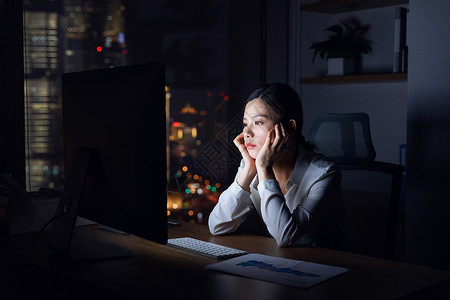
<point x="344" y="48"/>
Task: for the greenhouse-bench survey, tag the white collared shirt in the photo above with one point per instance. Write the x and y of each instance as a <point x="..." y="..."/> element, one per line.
<point x="310" y="213"/>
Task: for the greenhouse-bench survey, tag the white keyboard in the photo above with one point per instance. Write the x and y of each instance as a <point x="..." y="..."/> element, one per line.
<point x="204" y="248"/>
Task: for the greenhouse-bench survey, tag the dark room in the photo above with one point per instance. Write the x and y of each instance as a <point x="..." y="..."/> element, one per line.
<point x="223" y="149"/>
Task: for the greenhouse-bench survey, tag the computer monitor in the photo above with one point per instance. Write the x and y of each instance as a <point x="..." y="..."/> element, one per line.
<point x="114" y="124"/>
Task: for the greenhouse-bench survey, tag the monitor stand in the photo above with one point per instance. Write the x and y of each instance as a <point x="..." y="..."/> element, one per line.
<point x="62" y="238"/>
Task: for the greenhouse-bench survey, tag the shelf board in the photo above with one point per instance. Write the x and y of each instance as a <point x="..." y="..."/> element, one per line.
<point x="390" y="77"/>
<point x="340" y="6"/>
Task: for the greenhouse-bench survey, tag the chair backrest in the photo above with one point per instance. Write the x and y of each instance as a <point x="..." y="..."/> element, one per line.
<point x="343" y="137"/>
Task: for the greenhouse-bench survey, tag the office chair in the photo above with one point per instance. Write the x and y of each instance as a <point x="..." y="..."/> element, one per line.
<point x="344" y="138"/>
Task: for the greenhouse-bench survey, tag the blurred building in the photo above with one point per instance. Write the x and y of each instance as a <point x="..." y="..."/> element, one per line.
<point x="43" y="68"/>
<point x="59" y="37"/>
<point x="193" y="188"/>
<point x="78" y="35"/>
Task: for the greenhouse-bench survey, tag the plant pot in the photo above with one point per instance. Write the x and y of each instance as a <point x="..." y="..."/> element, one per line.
<point x="340" y="66"/>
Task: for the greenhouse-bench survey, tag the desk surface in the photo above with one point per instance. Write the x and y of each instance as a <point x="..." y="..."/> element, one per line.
<point x="175" y="274"/>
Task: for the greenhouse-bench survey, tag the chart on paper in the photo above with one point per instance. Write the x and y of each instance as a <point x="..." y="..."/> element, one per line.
<point x="284" y="271"/>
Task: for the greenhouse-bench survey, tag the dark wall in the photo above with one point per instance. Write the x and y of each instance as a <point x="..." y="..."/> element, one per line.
<point x="259" y="42"/>
<point x="12" y="139"/>
<point x="245" y="51"/>
<point x="427" y="232"/>
<point x="277" y="41"/>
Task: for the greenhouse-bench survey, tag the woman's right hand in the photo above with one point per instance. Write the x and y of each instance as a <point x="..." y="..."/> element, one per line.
<point x="249" y="170"/>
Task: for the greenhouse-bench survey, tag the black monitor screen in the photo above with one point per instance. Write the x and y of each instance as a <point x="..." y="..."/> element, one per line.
<point x="120" y="113"/>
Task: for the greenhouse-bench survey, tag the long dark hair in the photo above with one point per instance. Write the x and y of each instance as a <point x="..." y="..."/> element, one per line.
<point x="285" y="101"/>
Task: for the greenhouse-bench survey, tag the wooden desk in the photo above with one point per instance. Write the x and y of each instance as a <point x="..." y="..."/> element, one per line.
<point x="175" y="274"/>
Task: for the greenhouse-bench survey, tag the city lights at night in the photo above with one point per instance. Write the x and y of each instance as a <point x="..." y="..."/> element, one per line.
<point x="73" y="36"/>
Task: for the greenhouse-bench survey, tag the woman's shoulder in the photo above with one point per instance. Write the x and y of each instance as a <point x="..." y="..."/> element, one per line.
<point x="318" y="163"/>
<point x="312" y="167"/>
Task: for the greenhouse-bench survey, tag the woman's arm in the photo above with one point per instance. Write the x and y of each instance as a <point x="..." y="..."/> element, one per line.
<point x="231" y="210"/>
<point x="234" y="203"/>
<point x="247" y="170"/>
<point x="287" y="227"/>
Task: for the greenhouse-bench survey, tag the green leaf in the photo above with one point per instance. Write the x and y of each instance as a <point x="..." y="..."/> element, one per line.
<point x="346" y="41"/>
<point x="336" y="29"/>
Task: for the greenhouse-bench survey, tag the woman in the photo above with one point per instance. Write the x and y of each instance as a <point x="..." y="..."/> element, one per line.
<point x="295" y="192"/>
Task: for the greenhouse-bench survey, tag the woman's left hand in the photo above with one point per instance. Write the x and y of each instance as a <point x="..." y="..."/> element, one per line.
<point x="277" y="140"/>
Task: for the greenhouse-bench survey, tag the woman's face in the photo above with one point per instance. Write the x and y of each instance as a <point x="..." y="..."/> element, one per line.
<point x="259" y="118"/>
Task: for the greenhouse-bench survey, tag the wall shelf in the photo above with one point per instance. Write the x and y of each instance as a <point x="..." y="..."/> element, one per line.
<point x="340" y="6"/>
<point x="389" y="77"/>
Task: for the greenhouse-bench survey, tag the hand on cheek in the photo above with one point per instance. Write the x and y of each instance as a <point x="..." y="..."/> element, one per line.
<point x="249" y="170"/>
<point x="240" y="144"/>
<point x="276" y="141"/>
<point x="265" y="155"/>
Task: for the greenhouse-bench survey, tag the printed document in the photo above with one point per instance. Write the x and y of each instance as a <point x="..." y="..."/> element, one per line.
<point x="284" y="271"/>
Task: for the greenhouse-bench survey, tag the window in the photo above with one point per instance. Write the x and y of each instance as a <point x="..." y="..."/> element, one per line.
<point x="191" y="37"/>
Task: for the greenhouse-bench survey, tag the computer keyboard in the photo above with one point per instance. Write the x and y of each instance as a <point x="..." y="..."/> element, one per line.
<point x="204" y="248"/>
